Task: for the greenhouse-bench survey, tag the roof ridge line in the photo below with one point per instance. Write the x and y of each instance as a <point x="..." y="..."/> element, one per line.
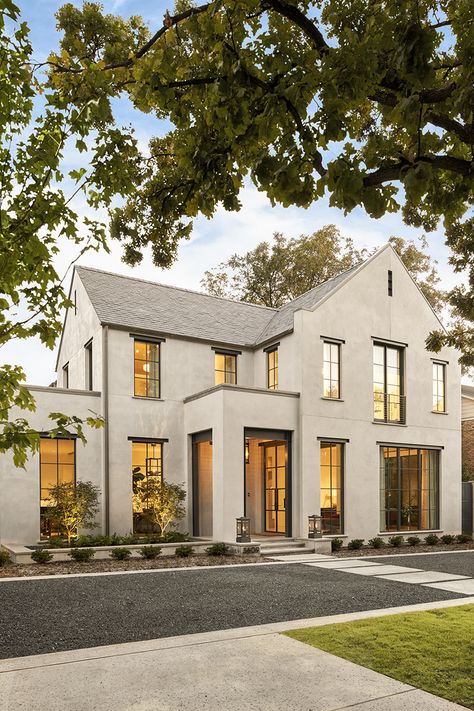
<point x="176" y="288"/>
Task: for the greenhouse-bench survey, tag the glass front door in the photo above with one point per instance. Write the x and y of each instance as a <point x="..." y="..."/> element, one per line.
<point x="274" y="477"/>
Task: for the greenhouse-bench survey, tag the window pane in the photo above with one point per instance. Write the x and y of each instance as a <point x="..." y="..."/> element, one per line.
<point x="331" y="483"/>
<point x="66" y="451"/>
<point x="48" y="449"/>
<point x="153" y="388"/>
<point x="140" y="386"/>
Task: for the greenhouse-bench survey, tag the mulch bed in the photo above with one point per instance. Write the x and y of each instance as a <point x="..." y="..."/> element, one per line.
<point x="108" y="566"/>
<point x="403" y="550"/>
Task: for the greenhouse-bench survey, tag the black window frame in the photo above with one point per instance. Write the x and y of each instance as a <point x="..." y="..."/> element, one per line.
<point x="57" y="463"/>
<point x="227" y="354"/>
<point x="390" y="282"/>
<point x="386" y="395"/>
<point x="89" y="375"/>
<point x="66" y="376"/>
<point x="399" y="508"/>
<point x="272" y="383"/>
<point x="342" y="444"/>
<point x="147" y="342"/>
<point x="337" y="344"/>
<point x="435" y="365"/>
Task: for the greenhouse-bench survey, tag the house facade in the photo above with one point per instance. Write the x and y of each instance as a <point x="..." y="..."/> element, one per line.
<point x="467" y="426"/>
<point x="330" y="405"/>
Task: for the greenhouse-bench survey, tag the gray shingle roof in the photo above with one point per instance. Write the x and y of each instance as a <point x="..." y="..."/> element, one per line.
<point x="143" y="305"/>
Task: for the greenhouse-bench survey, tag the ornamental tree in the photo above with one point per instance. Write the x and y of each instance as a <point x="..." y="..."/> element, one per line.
<point x="370" y="104"/>
<point x="73" y="506"/>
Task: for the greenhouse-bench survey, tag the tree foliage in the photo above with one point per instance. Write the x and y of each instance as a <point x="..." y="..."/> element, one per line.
<point x="370" y="104"/>
<point x="161" y="502"/>
<point x="73" y="506"/>
<point x="272" y="274"/>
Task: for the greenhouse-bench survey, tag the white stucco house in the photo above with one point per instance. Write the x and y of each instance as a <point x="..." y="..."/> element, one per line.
<point x="329" y="405"/>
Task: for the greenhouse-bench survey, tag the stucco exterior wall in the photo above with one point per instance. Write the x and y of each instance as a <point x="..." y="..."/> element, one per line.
<point x="20" y="488"/>
<point x="359" y="312"/>
<point x="81" y="324"/>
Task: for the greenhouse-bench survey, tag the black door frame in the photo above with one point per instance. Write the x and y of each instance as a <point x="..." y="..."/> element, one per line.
<point x="281" y="435"/>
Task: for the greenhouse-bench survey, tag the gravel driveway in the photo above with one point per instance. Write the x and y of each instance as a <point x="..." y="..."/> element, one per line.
<point x="39" y="616"/>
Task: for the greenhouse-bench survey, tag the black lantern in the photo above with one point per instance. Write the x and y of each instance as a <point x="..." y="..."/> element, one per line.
<point x="314" y="526"/>
<point x="242" y="530"/>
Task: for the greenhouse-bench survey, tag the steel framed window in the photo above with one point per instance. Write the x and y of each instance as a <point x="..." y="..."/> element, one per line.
<point x="331" y="369"/>
<point x="225" y="368"/>
<point x="146" y="369"/>
<point x="331" y="487"/>
<point x="272" y="369"/>
<point x="439" y="387"/>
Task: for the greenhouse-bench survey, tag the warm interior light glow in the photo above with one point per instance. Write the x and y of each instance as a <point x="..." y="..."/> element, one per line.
<point x="146" y="367"/>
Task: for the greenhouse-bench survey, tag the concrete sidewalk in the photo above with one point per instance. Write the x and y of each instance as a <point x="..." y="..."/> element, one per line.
<point x="249" y="669"/>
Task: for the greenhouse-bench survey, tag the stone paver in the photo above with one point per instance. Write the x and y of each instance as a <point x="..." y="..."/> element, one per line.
<point x="428" y="576"/>
<point x="342" y="564"/>
<point x="466" y="587"/>
<point x="380" y="570"/>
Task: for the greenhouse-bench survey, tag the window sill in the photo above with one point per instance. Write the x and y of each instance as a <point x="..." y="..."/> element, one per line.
<point x="333" y="399"/>
<point x="145" y="397"/>
<point x="438" y="412"/>
<point x="392" y="424"/>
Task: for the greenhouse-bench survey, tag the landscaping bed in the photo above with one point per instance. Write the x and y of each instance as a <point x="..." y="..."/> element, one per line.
<point x="108" y="566"/>
<point x="429" y="650"/>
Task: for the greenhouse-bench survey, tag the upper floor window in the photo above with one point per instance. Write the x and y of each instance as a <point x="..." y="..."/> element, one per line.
<point x="66" y="375"/>
<point x="146" y="369"/>
<point x="389" y="399"/>
<point x="272" y="369"/>
<point x="439" y="387"/>
<point x="331" y="369"/>
<point x="88" y="364"/>
<point x="225" y="367"/>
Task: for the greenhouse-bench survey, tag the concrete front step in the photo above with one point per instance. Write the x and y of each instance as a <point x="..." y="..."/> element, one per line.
<point x="285" y="549"/>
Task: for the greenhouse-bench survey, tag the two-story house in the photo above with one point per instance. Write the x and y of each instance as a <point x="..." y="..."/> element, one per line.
<point x="329" y="405"/>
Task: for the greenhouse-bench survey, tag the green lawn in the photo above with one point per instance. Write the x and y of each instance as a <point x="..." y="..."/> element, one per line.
<point x="431" y="650"/>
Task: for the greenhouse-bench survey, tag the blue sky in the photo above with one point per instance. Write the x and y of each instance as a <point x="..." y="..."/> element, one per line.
<point x="213" y="240"/>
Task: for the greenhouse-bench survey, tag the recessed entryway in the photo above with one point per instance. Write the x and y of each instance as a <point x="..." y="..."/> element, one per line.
<point x="267" y="477"/>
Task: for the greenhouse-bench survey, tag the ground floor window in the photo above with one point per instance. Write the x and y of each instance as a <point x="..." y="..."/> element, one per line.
<point x="57" y="466"/>
<point x="409" y="489"/>
<point x="147" y="461"/>
<point x="331" y="487"/>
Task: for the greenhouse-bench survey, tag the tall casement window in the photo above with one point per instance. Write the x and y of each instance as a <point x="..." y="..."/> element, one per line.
<point x="331" y="487"/>
<point x="66" y="376"/>
<point x="439" y="387"/>
<point x="146" y="368"/>
<point x="409" y="481"/>
<point x="88" y="365"/>
<point x="331" y="369"/>
<point x="389" y="399"/>
<point x="147" y="464"/>
<point x="272" y="369"/>
<point x="225" y="367"/>
<point x="57" y="466"/>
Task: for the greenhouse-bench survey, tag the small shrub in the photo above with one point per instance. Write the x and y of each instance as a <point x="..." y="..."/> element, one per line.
<point x="448" y="539"/>
<point x="120" y="553"/>
<point x="173" y="537"/>
<point x="218" y="549"/>
<point x="81" y="555"/>
<point x="355" y="544"/>
<point x="395" y="541"/>
<point x="336" y="544"/>
<point x="42" y="556"/>
<point x="184" y="551"/>
<point x="463" y="538"/>
<point x="130" y="540"/>
<point x="87" y="541"/>
<point x="376" y="542"/>
<point x="4" y="558"/>
<point x="432" y="539"/>
<point x="150" y="552"/>
<point x="57" y="543"/>
<point x="413" y="541"/>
